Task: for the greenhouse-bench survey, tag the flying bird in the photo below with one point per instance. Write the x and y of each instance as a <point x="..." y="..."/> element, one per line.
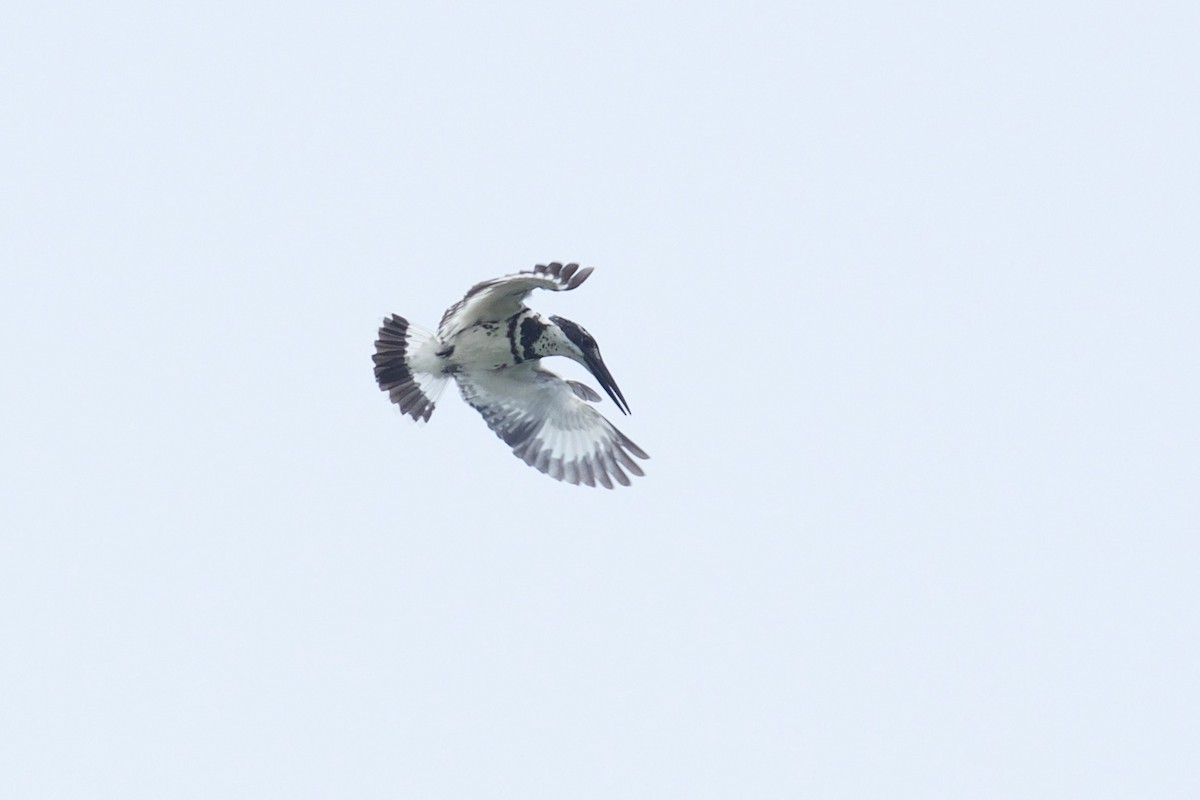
<point x="492" y="345"/>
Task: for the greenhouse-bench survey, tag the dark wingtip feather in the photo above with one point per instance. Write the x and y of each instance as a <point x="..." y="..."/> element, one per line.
<point x="633" y="448"/>
<point x="579" y="277"/>
<point x="621" y="477"/>
<point x="602" y="476"/>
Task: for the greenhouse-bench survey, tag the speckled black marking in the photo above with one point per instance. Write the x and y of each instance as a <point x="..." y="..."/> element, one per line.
<point x="531" y="331"/>
<point x="512" y="337"/>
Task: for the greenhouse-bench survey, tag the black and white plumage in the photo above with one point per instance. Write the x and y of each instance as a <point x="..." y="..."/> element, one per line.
<point x="491" y="344"/>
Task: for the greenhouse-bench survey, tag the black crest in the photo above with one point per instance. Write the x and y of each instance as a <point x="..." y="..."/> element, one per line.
<point x="575" y="332"/>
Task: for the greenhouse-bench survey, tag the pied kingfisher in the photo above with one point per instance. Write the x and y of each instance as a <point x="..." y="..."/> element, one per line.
<point x="492" y="345"/>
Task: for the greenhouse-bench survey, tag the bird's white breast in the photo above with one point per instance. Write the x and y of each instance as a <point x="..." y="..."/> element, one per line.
<point x="486" y="345"/>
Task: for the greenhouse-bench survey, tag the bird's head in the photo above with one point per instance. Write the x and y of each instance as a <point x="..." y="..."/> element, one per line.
<point x="579" y="345"/>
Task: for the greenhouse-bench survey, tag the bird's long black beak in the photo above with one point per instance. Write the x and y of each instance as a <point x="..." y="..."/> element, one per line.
<point x="595" y="365"/>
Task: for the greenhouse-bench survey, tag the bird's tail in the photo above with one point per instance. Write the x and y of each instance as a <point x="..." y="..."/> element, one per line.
<point x="400" y="352"/>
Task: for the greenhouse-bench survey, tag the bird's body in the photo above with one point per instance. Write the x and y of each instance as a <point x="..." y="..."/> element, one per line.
<point x="491" y="344"/>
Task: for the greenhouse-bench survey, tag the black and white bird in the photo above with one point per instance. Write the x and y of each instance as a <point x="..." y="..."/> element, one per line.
<point x="492" y="345"/>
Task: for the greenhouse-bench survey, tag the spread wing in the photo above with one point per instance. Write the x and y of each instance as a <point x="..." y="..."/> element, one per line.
<point x="500" y="298"/>
<point x="549" y="426"/>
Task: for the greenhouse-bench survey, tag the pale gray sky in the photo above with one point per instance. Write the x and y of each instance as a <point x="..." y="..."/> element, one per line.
<point x="903" y="298"/>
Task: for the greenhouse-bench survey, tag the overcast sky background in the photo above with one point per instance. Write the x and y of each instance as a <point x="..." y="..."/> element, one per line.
<point x="904" y="298"/>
